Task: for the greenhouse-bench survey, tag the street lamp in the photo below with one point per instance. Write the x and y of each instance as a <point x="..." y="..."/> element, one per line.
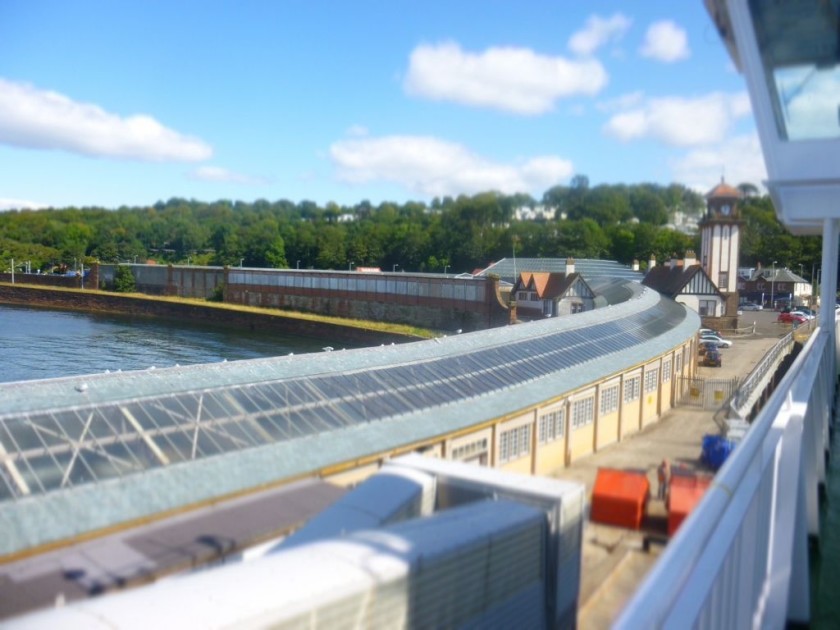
<point x="394" y="269"/>
<point x="350" y="266"/>
<point x="773" y="286"/>
<point x="298" y="265"/>
<point x="445" y="267"/>
<point x="787" y="52"/>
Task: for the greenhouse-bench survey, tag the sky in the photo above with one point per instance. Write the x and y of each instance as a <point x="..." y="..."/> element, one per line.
<point x="111" y="103"/>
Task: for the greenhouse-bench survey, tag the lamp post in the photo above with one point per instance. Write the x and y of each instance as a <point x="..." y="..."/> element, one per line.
<point x="445" y="267"/>
<point x="350" y="266"/>
<point x="297" y="266"/>
<point x="772" y="287"/>
<point x="394" y="268"/>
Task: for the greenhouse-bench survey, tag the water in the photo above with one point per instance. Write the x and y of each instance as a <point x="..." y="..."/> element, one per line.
<point x="825" y="568"/>
<point x="39" y="343"/>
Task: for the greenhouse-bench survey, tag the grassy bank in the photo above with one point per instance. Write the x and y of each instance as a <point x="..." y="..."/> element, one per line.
<point x="139" y="304"/>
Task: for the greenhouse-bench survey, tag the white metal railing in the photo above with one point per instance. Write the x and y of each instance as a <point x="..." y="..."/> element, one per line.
<point x="741" y="558"/>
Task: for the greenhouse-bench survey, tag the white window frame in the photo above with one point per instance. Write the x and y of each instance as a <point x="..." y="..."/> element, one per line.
<point x="583" y="412"/>
<point x="514" y="443"/>
<point x="666" y="370"/>
<point x="472" y="449"/>
<point x="632" y="388"/>
<point x="552" y="425"/>
<point x="651" y="379"/>
<point x="609" y="399"/>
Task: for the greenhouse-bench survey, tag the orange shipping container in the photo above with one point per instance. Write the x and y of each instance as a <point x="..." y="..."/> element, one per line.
<point x="686" y="492"/>
<point x="619" y="498"/>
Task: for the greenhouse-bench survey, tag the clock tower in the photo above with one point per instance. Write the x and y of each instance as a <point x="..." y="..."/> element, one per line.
<point x="720" y="231"/>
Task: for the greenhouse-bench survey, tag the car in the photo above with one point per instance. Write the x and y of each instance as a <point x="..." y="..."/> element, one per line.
<point x="705" y="346"/>
<point x="791" y="318"/>
<point x="708" y="331"/>
<point x="749" y="306"/>
<point x="804" y="314"/>
<point x="720" y="342"/>
<point x="712" y="358"/>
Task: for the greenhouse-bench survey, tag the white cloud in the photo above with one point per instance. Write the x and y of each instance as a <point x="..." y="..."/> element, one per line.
<point x="357" y="131"/>
<point x="739" y="159"/>
<point x="680" y="121"/>
<point x="219" y="174"/>
<point x="20" y="204"/>
<point x="597" y="32"/>
<point x="516" y="80"/>
<point x="625" y="101"/>
<point x="810" y="101"/>
<point x="40" y="119"/>
<point x="433" y="167"/>
<point x="665" y="41"/>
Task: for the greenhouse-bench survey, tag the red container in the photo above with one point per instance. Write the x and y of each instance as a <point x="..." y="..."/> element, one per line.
<point x="619" y="498"/>
<point x="686" y="492"/>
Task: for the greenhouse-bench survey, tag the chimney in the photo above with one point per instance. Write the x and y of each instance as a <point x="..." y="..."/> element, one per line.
<point x="690" y="258"/>
<point x="652" y="262"/>
<point x="635" y="264"/>
<point x="570" y="266"/>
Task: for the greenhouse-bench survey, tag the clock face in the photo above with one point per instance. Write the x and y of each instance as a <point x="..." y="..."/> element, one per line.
<point x="725" y="209"/>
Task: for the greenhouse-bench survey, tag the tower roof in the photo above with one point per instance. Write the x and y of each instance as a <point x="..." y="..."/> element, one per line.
<point x="723" y="191"/>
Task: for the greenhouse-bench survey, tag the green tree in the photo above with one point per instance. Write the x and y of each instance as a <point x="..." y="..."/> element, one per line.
<point x="124" y="280"/>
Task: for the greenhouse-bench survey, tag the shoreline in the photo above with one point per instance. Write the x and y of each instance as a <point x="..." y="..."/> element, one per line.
<point x="248" y="318"/>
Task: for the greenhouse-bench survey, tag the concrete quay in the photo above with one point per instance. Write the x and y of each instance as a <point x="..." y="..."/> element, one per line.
<point x="615" y="560"/>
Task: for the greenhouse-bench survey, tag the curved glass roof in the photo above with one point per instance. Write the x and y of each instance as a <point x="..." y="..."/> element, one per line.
<point x="111" y="447"/>
<point x="60" y="448"/>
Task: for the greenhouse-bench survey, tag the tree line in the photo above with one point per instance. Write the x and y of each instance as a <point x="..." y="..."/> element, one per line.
<point x="618" y="222"/>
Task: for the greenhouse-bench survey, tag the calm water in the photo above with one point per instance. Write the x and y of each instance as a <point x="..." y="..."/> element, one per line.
<point x="825" y="570"/>
<point x="37" y="343"/>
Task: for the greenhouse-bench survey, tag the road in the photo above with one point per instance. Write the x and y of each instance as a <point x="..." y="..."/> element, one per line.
<point x="614" y="559"/>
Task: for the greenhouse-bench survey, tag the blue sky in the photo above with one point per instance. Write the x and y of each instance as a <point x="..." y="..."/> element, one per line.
<point x="113" y="103"/>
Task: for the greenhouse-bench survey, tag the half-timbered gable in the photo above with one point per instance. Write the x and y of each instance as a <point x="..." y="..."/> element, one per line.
<point x="689" y="285"/>
<point x="552" y="294"/>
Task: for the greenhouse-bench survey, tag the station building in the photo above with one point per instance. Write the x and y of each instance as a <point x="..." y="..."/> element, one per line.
<point x="82" y="456"/>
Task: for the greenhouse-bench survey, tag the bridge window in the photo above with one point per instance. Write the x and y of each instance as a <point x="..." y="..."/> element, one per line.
<point x="552" y="426"/>
<point x="583" y="412"/>
<point x="632" y="388"/>
<point x="651" y="380"/>
<point x="609" y="400"/>
<point x="515" y="443"/>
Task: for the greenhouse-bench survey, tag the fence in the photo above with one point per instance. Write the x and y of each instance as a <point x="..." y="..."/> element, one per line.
<point x="705" y="393"/>
<point x="741" y="558"/>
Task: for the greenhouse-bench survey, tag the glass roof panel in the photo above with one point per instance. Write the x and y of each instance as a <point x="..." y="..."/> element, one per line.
<point x="175" y="427"/>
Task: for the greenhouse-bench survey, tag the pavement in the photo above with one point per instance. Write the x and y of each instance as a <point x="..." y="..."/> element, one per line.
<point x="615" y="560"/>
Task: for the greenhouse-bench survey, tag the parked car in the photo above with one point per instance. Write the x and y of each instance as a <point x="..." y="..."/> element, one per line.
<point x="708" y="331"/>
<point x="749" y="306"/>
<point x="804" y="314"/>
<point x="712" y="358"/>
<point x="791" y="318"/>
<point x="720" y="342"/>
<point x="705" y="346"/>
